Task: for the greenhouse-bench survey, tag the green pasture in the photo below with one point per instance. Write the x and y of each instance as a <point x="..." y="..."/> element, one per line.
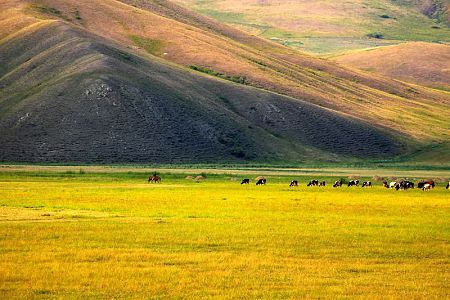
<point x="328" y="30"/>
<point x="94" y="233"/>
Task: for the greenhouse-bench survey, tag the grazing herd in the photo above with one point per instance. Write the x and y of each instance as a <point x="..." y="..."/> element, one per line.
<point x="397" y="185"/>
<point x="401" y="185"/>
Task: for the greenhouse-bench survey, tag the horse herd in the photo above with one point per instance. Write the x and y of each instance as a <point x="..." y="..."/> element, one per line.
<point x="425" y="185"/>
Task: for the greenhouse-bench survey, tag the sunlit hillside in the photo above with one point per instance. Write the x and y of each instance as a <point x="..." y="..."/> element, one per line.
<point x="419" y="63"/>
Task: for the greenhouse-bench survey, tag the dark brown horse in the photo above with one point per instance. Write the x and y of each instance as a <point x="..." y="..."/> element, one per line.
<point x="154" y="179"/>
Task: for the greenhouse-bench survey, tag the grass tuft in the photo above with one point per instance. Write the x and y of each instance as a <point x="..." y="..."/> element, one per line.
<point x="152" y="46"/>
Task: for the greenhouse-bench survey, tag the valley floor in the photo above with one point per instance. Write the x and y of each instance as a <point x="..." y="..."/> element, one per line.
<point x="104" y="233"/>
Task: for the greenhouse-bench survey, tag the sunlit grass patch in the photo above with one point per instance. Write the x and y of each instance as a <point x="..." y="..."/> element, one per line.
<point x="152" y="46"/>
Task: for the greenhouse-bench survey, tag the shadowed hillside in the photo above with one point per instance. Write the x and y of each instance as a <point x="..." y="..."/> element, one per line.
<point x="193" y="41"/>
<point x="68" y="97"/>
<point x="96" y="81"/>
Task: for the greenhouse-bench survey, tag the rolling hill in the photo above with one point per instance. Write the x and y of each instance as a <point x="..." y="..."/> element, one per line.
<point x="416" y="62"/>
<point x="150" y="81"/>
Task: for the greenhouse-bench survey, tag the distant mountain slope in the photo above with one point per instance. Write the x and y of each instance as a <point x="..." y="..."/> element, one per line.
<point x="420" y="63"/>
<point x="69" y="96"/>
<point x="329" y="27"/>
<point x="190" y="40"/>
<point x="104" y="81"/>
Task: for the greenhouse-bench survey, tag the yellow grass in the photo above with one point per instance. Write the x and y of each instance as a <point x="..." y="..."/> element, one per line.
<point x="420" y="63"/>
<point x="112" y="235"/>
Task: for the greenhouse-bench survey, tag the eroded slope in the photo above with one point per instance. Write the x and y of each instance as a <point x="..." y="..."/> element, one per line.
<point x="70" y="96"/>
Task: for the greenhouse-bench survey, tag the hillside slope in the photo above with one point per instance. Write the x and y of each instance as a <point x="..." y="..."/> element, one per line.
<point x="190" y="40"/>
<point x="105" y="81"/>
<point x="72" y="97"/>
<point x="420" y="63"/>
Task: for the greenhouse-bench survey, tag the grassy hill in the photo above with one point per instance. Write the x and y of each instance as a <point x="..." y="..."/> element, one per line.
<point x="326" y="27"/>
<point x="108" y="81"/>
<point x="416" y="62"/>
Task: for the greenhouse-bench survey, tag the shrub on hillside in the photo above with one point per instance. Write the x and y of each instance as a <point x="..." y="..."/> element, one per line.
<point x="375" y="35"/>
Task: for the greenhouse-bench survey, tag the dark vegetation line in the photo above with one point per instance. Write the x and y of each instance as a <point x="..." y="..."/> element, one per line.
<point x="237" y="79"/>
<point x="250" y="166"/>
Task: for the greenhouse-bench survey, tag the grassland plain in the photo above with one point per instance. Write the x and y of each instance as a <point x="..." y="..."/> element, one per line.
<point x="108" y="234"/>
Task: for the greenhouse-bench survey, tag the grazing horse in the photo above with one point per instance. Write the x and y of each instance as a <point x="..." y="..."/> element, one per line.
<point x="337" y="183"/>
<point x="385" y="184"/>
<point x="322" y="183"/>
<point x="426" y="187"/>
<point x="367" y="184"/>
<point x="245" y="181"/>
<point x="422" y="184"/>
<point x="313" y="182"/>
<point x="154" y="179"/>
<point x="261" y="181"/>
<point x="294" y="183"/>
<point x="448" y="186"/>
<point x="353" y="183"/>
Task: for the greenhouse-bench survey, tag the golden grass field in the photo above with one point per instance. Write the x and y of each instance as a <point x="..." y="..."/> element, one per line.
<point x="416" y="62"/>
<point x="106" y="233"/>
